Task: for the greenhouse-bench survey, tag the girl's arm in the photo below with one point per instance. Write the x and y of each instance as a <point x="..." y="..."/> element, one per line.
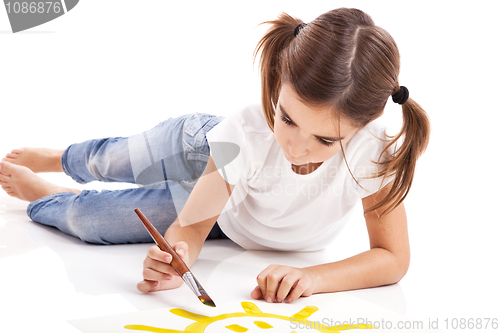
<point x="188" y="232"/>
<point x="385" y="263"/>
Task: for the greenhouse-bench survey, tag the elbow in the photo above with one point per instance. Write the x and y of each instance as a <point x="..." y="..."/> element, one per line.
<point x="394" y="266"/>
<point x="397" y="265"/>
<point x="401" y="274"/>
<point x="402" y="264"/>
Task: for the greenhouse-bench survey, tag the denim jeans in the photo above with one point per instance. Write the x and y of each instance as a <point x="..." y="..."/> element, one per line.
<point x="165" y="162"/>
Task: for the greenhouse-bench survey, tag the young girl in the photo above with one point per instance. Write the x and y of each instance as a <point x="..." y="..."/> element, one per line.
<point x="283" y="175"/>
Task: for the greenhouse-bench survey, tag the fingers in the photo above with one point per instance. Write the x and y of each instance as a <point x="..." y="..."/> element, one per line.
<point x="150" y="286"/>
<point x="282" y="284"/>
<point x="301" y="288"/>
<point x="157" y="272"/>
<point x="147" y="286"/>
<point x="256" y="293"/>
<point x="158" y="261"/>
<point x="182" y="250"/>
<point x="155" y="253"/>
<point x="152" y="274"/>
<point x="269" y="281"/>
<point x="287" y="288"/>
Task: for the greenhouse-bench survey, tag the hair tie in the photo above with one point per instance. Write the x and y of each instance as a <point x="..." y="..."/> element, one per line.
<point x="298" y="28"/>
<point x="401" y="96"/>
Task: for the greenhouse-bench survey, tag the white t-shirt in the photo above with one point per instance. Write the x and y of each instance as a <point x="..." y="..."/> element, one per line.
<point x="274" y="208"/>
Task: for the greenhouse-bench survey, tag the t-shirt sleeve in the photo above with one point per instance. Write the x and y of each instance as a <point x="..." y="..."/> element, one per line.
<point x="229" y="148"/>
<point x="366" y="166"/>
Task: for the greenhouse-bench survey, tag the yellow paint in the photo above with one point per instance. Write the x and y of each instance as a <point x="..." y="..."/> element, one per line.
<point x="151" y="329"/>
<point x="262" y="324"/>
<point x="251" y="310"/>
<point x="237" y="328"/>
<point x="189" y="315"/>
<point x="305" y="313"/>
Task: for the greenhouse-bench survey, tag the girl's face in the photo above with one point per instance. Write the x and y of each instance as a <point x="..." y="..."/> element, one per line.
<point x="306" y="134"/>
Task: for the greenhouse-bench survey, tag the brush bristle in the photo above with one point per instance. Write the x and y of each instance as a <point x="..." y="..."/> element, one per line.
<point x="205" y="299"/>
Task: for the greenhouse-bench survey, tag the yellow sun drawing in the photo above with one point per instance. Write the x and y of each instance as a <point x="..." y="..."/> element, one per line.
<point x="300" y="319"/>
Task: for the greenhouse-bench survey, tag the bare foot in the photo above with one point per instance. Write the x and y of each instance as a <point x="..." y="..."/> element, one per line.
<point x="36" y="159"/>
<point x="22" y="183"/>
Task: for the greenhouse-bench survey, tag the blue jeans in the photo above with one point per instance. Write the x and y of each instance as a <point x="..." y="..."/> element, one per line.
<point x="165" y="162"/>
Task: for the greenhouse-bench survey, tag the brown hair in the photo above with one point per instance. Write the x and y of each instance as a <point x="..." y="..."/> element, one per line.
<point x="343" y="60"/>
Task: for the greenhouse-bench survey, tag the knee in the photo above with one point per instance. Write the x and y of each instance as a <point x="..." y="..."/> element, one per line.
<point x="85" y="229"/>
<point x="99" y="166"/>
<point x="86" y="224"/>
<point x="109" y="160"/>
<point x="96" y="218"/>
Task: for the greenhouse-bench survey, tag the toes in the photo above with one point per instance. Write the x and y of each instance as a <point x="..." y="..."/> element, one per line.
<point x="7" y="159"/>
<point x="4" y="179"/>
<point x="8" y="169"/>
<point x="5" y="168"/>
<point x="6" y="187"/>
<point x="13" y="154"/>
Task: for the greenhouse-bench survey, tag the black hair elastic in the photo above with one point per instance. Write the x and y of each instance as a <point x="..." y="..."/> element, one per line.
<point x="298" y="28"/>
<point x="401" y="96"/>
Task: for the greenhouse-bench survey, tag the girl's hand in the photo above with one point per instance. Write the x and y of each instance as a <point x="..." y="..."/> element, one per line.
<point x="157" y="272"/>
<point x="283" y="284"/>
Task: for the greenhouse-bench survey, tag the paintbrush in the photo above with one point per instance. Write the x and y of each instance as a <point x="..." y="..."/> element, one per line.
<point x="177" y="263"/>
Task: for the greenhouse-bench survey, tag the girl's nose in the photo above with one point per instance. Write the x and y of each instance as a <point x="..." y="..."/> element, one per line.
<point x="297" y="147"/>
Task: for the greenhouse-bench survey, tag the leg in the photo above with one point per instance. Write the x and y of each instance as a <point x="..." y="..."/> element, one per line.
<point x="170" y="151"/>
<point x="105" y="217"/>
<point x="143" y="159"/>
<point x="114" y="159"/>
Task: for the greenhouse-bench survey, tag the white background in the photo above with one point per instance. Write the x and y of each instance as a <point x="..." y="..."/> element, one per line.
<point x="116" y="68"/>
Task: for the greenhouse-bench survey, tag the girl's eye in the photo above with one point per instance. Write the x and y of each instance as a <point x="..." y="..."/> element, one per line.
<point x="323" y="142"/>
<point x="286" y="120"/>
<point x="326" y="143"/>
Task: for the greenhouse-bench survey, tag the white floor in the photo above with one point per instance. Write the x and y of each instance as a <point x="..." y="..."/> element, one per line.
<point x="49" y="278"/>
<point x="115" y="68"/>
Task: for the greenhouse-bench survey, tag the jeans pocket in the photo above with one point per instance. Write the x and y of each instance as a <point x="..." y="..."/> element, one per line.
<point x="195" y="141"/>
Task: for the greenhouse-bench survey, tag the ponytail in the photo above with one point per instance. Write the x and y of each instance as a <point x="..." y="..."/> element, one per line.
<point x="401" y="165"/>
<point x="270" y="47"/>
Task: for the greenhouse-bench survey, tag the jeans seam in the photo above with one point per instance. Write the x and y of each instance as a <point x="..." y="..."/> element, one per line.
<point x="146" y="140"/>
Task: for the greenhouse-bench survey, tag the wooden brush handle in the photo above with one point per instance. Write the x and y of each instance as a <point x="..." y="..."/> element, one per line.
<point x="177" y="263"/>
